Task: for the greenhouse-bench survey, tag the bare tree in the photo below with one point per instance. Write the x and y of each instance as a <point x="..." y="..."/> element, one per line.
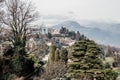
<point x="55" y="70"/>
<point x="18" y="15"/>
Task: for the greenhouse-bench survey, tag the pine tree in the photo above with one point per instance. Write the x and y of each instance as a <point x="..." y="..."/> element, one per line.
<point x="52" y="53"/>
<point x="64" y="55"/>
<point x="77" y="35"/>
<point x="49" y="35"/>
<point x="85" y="61"/>
<point x="57" y="55"/>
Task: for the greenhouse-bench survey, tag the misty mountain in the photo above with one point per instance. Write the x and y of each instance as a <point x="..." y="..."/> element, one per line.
<point x="115" y="28"/>
<point x="112" y="27"/>
<point x="101" y="35"/>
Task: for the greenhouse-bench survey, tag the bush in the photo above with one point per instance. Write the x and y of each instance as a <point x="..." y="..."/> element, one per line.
<point x="110" y="74"/>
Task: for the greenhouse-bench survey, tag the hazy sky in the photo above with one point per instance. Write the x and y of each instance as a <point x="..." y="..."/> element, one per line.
<point x="80" y="9"/>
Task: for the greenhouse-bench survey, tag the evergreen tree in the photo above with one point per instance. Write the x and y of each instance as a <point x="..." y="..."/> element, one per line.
<point x="82" y="37"/>
<point x="49" y="35"/>
<point x="85" y="61"/>
<point x="63" y="30"/>
<point x="57" y="56"/>
<point x="77" y="35"/>
<point x="64" y="55"/>
<point x="72" y="34"/>
<point x="52" y="53"/>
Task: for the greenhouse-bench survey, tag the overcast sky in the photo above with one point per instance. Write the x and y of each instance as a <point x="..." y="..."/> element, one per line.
<point x="81" y="9"/>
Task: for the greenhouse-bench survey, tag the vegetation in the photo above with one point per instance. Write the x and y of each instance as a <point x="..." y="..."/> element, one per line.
<point x="78" y="35"/>
<point x="64" y="55"/>
<point x="56" y="67"/>
<point x="49" y="35"/>
<point x="52" y="54"/>
<point x="55" y="71"/>
<point x="57" y="55"/>
<point x="63" y="30"/>
<point x="14" y="62"/>
<point x="86" y="62"/>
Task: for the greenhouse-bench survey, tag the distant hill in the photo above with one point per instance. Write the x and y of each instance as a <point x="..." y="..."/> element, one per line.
<point x="102" y="36"/>
<point x="112" y="27"/>
<point x="71" y="25"/>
